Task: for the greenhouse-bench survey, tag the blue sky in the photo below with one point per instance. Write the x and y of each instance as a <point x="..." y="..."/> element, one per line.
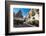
<point x="23" y="10"/>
